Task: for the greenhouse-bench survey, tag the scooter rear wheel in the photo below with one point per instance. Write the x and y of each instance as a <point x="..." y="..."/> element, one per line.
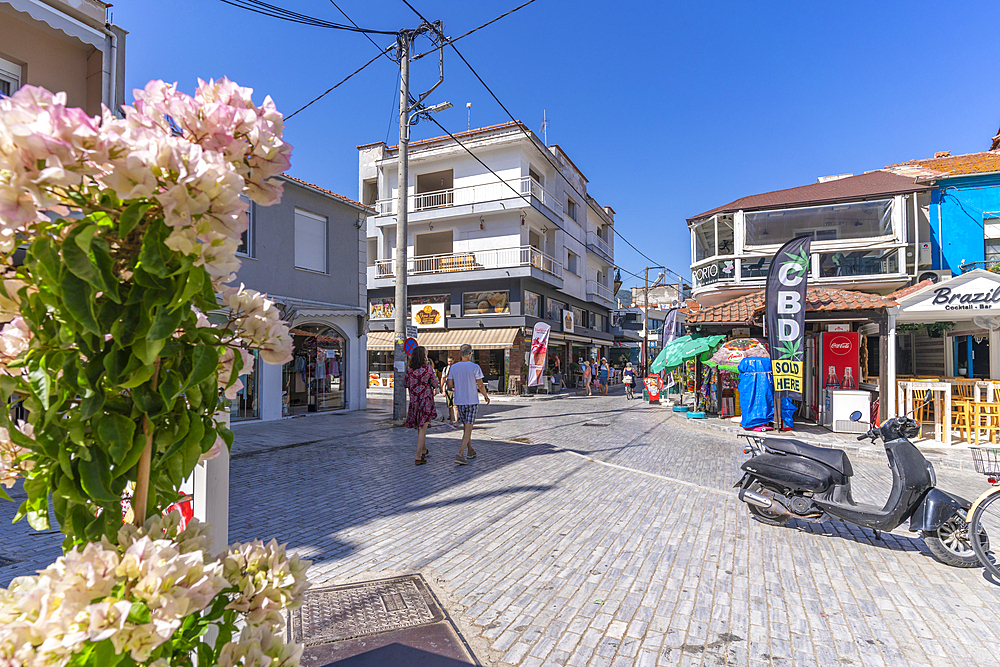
<point x="950" y="543"/>
<point x="763" y="515"/>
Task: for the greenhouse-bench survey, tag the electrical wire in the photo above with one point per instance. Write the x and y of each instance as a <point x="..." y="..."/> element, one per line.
<point x="273" y="11"/>
<point x="394" y="109"/>
<point x="523" y="130"/>
<point x="338" y="84"/>
<point x="455" y="39"/>
<point x="351" y="21"/>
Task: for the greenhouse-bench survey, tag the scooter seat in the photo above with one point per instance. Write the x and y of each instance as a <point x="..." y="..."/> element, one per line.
<point x="834" y="458"/>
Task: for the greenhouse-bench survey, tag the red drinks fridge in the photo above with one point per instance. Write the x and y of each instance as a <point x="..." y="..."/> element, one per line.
<point x="838" y="366"/>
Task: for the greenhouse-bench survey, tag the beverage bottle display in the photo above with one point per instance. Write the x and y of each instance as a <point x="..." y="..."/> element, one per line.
<point x="831" y="379"/>
<point x="848" y="382"/>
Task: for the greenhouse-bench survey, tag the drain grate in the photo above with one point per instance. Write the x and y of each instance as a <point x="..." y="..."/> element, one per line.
<point x="356" y="610"/>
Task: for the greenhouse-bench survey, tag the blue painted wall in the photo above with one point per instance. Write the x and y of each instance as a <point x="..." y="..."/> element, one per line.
<point x="963" y="203"/>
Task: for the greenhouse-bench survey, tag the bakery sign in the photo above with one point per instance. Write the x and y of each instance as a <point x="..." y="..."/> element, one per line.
<point x="569" y="323"/>
<point x="974" y="291"/>
<point x="427" y="315"/>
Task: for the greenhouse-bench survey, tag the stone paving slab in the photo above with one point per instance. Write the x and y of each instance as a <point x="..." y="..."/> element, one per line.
<point x="617" y="544"/>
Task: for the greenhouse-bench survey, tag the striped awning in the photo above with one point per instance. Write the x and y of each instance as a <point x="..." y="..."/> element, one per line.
<point x="479" y="339"/>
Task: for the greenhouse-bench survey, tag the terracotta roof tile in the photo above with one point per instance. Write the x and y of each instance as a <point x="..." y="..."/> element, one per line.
<point x="864" y="186"/>
<point x="953" y="165"/>
<point x="329" y="192"/>
<point x="742" y="310"/>
<point x="906" y="291"/>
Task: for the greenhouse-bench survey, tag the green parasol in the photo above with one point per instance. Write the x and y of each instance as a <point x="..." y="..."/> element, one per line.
<point x="685" y="347"/>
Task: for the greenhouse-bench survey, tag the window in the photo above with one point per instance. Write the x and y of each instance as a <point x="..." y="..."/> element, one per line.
<point x="433" y="243"/>
<point x="991" y="233"/>
<point x="246" y="239"/>
<point x="10" y="77"/>
<point x="369" y="194"/>
<point x="555" y="309"/>
<point x="572" y="261"/>
<point x="532" y="304"/>
<point x="310" y="241"/>
<point x="533" y="175"/>
<point x="580" y="317"/>
<point x="600" y="322"/>
<point x="704" y="240"/>
<point x="855" y="220"/>
<point x="571" y="209"/>
<point x="434" y="190"/>
<point x="372" y="251"/>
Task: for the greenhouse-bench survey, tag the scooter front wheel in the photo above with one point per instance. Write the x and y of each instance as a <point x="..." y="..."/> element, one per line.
<point x="950" y="543"/>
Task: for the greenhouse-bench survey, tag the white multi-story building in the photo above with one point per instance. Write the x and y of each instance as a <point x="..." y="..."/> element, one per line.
<point x="493" y="252"/>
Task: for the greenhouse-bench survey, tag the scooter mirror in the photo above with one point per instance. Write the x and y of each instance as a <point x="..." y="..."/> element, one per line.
<point x="856" y="416"/>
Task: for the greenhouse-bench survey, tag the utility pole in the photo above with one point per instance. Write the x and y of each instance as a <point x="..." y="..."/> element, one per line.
<point x="401" y="312"/>
<point x="409" y="113"/>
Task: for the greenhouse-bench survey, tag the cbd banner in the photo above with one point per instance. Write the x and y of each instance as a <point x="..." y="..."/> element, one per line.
<point x="785" y="315"/>
<point x="536" y="358"/>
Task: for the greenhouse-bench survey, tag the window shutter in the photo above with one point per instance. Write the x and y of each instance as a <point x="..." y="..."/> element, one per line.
<point x="310" y="241"/>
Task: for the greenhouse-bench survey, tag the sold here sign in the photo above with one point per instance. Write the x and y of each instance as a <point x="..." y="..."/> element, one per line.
<point x="785" y="315"/>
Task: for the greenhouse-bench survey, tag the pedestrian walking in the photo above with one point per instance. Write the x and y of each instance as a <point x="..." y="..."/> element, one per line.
<point x="587" y="376"/>
<point x="422" y="382"/>
<point x="605" y="375"/>
<point x="465" y="378"/>
<point x="449" y="394"/>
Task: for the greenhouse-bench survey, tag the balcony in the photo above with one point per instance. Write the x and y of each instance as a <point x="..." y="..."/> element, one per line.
<point x="598" y="245"/>
<point x="598" y="293"/>
<point x="473" y="194"/>
<point x="473" y="261"/>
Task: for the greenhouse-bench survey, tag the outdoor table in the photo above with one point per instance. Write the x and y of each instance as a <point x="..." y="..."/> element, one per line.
<point x="981" y="385"/>
<point x="941" y="390"/>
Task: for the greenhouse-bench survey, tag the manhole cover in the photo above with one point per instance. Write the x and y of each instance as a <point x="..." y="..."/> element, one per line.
<point x="355" y="610"/>
<point x="595" y="424"/>
<point x="4" y="561"/>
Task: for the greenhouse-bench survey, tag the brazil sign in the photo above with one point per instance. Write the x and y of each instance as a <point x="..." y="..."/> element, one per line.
<point x="785" y="315"/>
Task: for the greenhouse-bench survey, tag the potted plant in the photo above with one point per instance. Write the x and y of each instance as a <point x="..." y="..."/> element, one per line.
<point x="129" y="229"/>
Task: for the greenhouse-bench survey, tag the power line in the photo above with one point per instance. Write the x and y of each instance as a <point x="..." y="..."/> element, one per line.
<point x="273" y="11"/>
<point x="455" y="39"/>
<point x="393" y="110"/>
<point x="338" y="84"/>
<point x="523" y="130"/>
<point x="351" y="21"/>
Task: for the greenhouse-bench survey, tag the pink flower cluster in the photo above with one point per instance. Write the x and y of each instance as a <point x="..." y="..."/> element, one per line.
<point x="13" y="463"/>
<point x="194" y="156"/>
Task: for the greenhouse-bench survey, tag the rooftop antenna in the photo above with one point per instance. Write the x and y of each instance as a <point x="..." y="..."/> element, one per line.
<point x="468" y="105"/>
<point x="545" y="129"/>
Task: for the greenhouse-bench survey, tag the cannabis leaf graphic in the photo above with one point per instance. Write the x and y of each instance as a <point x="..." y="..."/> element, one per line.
<point x="791" y="349"/>
<point x="800" y="260"/>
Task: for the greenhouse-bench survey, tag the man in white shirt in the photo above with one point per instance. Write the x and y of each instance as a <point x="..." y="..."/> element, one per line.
<point x="465" y="378"/>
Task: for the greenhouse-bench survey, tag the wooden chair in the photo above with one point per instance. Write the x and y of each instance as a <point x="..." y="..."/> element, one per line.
<point x="924" y="414"/>
<point x="985" y="416"/>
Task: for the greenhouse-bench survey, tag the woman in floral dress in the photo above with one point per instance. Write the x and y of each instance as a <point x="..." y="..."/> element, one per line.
<point x="422" y="382"/>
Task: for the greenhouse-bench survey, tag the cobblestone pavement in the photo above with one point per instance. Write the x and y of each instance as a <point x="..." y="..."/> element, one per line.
<point x="592" y="531"/>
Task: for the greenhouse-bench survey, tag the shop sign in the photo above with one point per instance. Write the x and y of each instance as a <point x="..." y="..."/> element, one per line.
<point x="973" y="291"/>
<point x="955" y="300"/>
<point x="840" y="345"/>
<point x="785" y="315"/>
<point x="721" y="270"/>
<point x="539" y="349"/>
<point x="428" y="315"/>
<point x="568" y="321"/>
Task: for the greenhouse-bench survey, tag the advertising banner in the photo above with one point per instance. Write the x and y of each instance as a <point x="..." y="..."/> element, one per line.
<point x="569" y="321"/>
<point x="539" y="348"/>
<point x="785" y="316"/>
<point x="428" y="315"/>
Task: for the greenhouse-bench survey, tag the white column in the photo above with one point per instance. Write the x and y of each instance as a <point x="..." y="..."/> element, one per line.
<point x="889" y="400"/>
<point x="270" y="391"/>
<point x="211" y="495"/>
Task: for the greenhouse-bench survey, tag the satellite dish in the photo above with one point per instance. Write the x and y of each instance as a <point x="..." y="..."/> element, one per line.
<point x="991" y="323"/>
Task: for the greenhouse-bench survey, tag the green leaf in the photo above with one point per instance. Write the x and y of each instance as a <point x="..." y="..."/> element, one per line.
<point x="147" y="350"/>
<point x="139" y="613"/>
<point x="40" y="382"/>
<point x="148" y="401"/>
<point x="95" y="475"/>
<point x="116" y="431"/>
<point x="79" y="301"/>
<point x="91" y="404"/>
<point x="204" y="362"/>
<point x="165" y="322"/>
<point x="130" y="217"/>
<point x="153" y="256"/>
<point x="76" y="254"/>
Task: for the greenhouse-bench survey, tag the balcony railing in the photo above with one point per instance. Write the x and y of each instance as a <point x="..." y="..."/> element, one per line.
<point x="473" y="260"/>
<point x="987" y="265"/>
<point x="474" y="194"/>
<point x="600" y="244"/>
<point x="597" y="289"/>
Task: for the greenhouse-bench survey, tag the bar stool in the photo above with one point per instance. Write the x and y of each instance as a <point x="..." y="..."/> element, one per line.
<point x="985" y="417"/>
<point x="923" y="412"/>
<point x="961" y="412"/>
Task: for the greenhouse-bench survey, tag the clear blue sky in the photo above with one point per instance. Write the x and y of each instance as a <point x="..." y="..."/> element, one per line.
<point x="669" y="109"/>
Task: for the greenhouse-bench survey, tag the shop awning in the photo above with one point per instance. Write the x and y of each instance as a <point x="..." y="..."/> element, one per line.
<point x="479" y="339"/>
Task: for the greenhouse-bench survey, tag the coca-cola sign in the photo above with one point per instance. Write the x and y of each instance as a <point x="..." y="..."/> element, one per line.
<point x="841" y="345"/>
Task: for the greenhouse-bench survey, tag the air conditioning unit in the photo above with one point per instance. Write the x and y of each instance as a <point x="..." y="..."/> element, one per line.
<point x="936" y="276"/>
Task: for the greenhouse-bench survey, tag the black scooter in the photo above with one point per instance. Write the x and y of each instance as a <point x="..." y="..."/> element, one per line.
<point x="788" y="479"/>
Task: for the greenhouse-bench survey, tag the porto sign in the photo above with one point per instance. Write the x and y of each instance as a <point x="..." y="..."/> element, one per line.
<point x="785" y="315"/>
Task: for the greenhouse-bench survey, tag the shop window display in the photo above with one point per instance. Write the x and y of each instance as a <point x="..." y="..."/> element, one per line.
<point x="315" y="379"/>
<point x="246" y="405"/>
